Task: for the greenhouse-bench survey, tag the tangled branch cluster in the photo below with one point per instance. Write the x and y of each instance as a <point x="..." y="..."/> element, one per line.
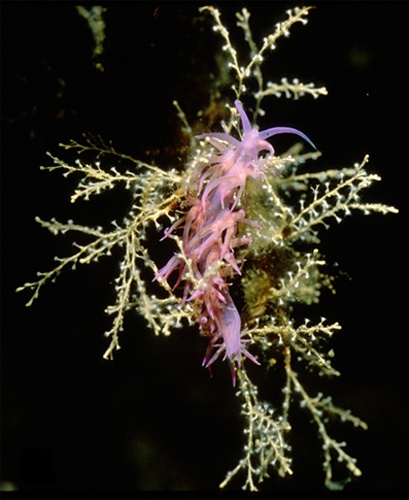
<point x="273" y="269"/>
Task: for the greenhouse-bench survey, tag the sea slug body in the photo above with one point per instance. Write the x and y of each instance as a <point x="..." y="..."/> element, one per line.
<point x="210" y="223"/>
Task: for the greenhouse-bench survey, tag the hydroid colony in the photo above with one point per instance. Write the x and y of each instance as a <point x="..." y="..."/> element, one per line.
<point x="245" y="226"/>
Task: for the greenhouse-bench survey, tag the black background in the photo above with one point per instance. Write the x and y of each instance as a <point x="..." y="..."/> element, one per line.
<point x="153" y="418"/>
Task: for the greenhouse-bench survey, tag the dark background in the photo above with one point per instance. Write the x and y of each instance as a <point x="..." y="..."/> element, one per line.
<point x="153" y="418"/>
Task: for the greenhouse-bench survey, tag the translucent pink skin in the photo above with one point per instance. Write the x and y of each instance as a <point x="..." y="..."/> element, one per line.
<point x="209" y="235"/>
